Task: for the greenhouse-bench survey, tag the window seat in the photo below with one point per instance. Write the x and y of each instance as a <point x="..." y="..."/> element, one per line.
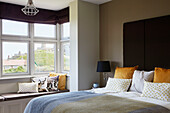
<point x="16" y="103"/>
<point x="14" y="96"/>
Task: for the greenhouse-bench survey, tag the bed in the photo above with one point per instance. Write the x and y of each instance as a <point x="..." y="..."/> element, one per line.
<point x="97" y="101"/>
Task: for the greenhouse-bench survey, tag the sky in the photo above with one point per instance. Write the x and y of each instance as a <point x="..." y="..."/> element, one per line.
<point x="11" y="48"/>
<point x="42" y="30"/>
<point x="14" y="28"/>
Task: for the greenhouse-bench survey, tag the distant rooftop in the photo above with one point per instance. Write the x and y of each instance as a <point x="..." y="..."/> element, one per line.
<point x="14" y="62"/>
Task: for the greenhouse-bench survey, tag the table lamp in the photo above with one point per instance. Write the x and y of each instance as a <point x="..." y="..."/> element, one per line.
<point x="104" y="66"/>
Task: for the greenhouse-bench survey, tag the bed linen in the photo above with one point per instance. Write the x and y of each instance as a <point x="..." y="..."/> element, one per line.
<point x="88" y="101"/>
<point x="133" y="95"/>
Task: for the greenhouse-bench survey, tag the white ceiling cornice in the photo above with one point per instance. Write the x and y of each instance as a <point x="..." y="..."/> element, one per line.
<point x="51" y="4"/>
<point x="98" y="1"/>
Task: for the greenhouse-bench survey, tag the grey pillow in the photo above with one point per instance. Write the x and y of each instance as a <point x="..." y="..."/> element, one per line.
<point x="138" y="80"/>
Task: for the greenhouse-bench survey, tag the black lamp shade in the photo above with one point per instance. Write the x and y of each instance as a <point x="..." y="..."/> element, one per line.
<point x="103" y="66"/>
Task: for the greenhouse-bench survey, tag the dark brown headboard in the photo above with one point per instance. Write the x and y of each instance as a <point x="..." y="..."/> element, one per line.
<point x="147" y="43"/>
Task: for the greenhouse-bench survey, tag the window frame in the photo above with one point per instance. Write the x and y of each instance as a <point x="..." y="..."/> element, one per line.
<point x="46" y="38"/>
<point x="63" y="39"/>
<point x="28" y="57"/>
<point x="55" y="59"/>
<point x="31" y="40"/>
<point x="62" y="58"/>
<point x="15" y="36"/>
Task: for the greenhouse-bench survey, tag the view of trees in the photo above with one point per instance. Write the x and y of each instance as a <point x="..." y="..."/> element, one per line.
<point x="43" y="60"/>
<point x="22" y="57"/>
<point x="15" y="70"/>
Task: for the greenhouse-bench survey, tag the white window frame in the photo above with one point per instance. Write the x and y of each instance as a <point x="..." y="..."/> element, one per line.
<point x="14" y="36"/>
<point x="46" y="38"/>
<point x="28" y="57"/>
<point x="67" y="39"/>
<point x="31" y="40"/>
<point x="62" y="58"/>
<point x="55" y="59"/>
<point x="62" y="41"/>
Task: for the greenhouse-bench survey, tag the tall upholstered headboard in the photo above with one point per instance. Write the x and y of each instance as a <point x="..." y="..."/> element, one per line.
<point x="147" y="43"/>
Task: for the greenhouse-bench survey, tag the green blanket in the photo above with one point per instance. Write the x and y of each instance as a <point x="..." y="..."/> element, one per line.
<point x="109" y="104"/>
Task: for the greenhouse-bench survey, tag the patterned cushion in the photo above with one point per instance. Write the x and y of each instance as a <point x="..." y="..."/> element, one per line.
<point x="118" y="85"/>
<point x="159" y="91"/>
<point x="62" y="80"/>
<point x="53" y="82"/>
<point x="42" y="83"/>
<point x="28" y="87"/>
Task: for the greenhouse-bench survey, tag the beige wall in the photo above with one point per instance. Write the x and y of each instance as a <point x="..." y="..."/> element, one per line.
<point x="84" y="23"/>
<point x="88" y="33"/>
<point x="11" y="85"/>
<point x="112" y="16"/>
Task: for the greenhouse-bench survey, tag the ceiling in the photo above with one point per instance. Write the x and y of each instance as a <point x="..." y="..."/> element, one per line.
<point x="51" y="4"/>
<point x="97" y="1"/>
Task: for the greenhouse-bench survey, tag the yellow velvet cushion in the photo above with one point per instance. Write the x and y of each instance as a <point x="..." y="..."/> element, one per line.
<point x="62" y="80"/>
<point x="162" y="75"/>
<point x="124" y="72"/>
<point x="56" y="74"/>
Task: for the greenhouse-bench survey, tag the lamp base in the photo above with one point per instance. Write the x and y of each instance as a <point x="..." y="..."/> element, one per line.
<point x="105" y="77"/>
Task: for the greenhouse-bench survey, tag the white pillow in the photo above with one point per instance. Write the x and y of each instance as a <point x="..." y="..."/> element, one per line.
<point x="138" y="80"/>
<point x="159" y="91"/>
<point x="118" y="85"/>
<point x="28" y="87"/>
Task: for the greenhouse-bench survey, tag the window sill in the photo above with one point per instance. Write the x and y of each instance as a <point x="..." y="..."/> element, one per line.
<point x="15" y="77"/>
<point x="23" y="77"/>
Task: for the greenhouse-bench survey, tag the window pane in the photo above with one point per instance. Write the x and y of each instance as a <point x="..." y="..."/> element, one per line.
<point x="44" y="57"/>
<point x="14" y="28"/>
<point x="65" y="56"/>
<point x="44" y="31"/>
<point x="66" y="31"/>
<point x="14" y="57"/>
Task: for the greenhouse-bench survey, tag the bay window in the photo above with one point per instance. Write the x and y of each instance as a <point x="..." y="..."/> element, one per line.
<point x="30" y="49"/>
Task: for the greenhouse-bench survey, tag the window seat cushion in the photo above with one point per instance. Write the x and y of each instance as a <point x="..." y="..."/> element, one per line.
<point x="14" y="96"/>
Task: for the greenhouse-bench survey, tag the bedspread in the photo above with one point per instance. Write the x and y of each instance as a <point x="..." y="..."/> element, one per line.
<point x="88" y="102"/>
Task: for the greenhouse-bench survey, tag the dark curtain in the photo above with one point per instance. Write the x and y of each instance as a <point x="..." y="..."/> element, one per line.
<point x="13" y="12"/>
